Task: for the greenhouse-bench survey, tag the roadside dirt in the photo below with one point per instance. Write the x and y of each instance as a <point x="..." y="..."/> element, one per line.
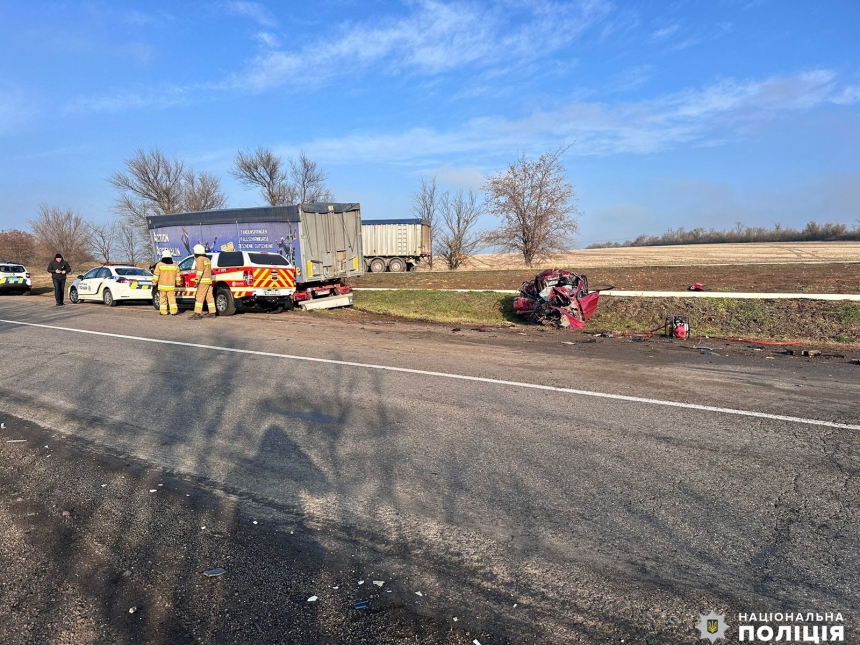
<point x="773" y="278"/>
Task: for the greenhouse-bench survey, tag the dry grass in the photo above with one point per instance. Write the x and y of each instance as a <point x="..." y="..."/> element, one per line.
<point x="686" y="255"/>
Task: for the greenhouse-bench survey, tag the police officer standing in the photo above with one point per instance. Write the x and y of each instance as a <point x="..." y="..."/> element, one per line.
<point x="59" y="269"/>
<point x="166" y="276"/>
<point x="203" y="267"/>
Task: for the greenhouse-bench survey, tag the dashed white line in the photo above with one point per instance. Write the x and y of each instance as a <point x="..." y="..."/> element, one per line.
<point x="460" y="377"/>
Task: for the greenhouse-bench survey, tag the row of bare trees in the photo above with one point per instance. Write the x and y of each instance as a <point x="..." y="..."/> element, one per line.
<point x="532" y="199"/>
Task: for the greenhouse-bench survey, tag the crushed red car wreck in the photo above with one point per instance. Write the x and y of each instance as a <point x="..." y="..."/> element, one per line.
<point x="557" y="297"/>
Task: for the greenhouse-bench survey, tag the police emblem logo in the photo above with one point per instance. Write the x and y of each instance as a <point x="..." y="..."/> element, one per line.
<point x="712" y="627"/>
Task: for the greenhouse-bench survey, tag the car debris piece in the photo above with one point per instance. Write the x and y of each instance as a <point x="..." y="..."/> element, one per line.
<point x="476" y="642"/>
<point x="15" y="440"/>
<point x="361" y="605"/>
<point x="213" y="573"/>
<point x="360" y="582"/>
<point x="811" y="353"/>
<point x="312" y="599"/>
<point x="132" y="610"/>
<point x="557" y="298"/>
<point x="2" y="426"/>
<point x="418" y="593"/>
<point x="379" y="583"/>
<point x="696" y="286"/>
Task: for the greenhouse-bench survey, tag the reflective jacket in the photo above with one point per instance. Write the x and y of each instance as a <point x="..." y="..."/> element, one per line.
<point x="166" y="276"/>
<point x="203" y="265"/>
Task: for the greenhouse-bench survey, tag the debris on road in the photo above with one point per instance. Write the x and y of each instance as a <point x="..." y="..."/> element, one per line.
<point x="811" y="353"/>
<point x="557" y="297"/>
<point x="696" y="286"/>
<point x="16" y="440"/>
<point x="360" y="582"/>
<point x="212" y="573"/>
<point x="132" y="610"/>
<point x="312" y="599"/>
<point x="361" y="605"/>
<point x="2" y="426"/>
<point x="379" y="583"/>
<point x="418" y="593"/>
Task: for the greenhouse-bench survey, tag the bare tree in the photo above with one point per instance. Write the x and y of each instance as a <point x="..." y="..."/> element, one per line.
<point x="131" y="245"/>
<point x="457" y="239"/>
<point x="534" y="202"/>
<point x="299" y="181"/>
<point x="202" y="192"/>
<point x="102" y="239"/>
<point x="425" y="203"/>
<point x="154" y="179"/>
<point x="61" y="231"/>
<point x="309" y="179"/>
<point x="18" y="246"/>
<point x="265" y="170"/>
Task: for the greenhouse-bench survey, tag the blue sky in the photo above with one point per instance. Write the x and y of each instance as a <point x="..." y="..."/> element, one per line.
<point x="679" y="113"/>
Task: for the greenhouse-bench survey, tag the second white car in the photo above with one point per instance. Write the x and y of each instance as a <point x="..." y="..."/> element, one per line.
<point x="112" y="284"/>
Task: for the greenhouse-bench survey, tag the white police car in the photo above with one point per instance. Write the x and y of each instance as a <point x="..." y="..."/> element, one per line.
<point x="111" y="284"/>
<point x="14" y="277"/>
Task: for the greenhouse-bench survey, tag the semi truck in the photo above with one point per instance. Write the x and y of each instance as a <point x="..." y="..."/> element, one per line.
<point x="395" y="244"/>
<point x="322" y="241"/>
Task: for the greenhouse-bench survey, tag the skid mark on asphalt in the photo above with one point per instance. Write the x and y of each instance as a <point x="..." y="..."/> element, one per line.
<point x="460" y="377"/>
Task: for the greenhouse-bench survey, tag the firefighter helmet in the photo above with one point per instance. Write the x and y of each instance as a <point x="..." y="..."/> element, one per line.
<point x="166" y="254"/>
<point x="199" y="249"/>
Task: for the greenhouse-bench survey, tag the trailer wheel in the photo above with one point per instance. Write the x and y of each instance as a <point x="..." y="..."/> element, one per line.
<point x="377" y="265"/>
<point x="396" y="265"/>
<point x="224" y="303"/>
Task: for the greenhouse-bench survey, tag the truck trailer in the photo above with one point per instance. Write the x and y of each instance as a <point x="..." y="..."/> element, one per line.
<point x="322" y="241"/>
<point x="395" y="244"/>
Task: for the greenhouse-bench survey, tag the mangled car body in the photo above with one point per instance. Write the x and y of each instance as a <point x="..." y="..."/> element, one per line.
<point x="557" y="297"/>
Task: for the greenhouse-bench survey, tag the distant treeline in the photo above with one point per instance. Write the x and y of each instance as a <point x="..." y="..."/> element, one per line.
<point x="812" y="232"/>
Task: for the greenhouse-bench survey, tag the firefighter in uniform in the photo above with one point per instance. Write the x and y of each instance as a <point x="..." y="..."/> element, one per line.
<point x="166" y="276"/>
<point x="203" y="267"/>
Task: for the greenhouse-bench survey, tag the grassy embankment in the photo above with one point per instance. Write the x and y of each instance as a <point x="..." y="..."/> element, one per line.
<point x="763" y="319"/>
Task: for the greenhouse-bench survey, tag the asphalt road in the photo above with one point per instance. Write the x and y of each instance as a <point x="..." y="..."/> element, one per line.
<point x="531" y="514"/>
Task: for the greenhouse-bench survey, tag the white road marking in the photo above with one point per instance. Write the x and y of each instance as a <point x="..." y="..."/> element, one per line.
<point x="460" y="377"/>
<point x="663" y="294"/>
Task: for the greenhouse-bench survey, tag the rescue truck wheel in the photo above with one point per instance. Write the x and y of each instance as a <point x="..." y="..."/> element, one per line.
<point x="377" y="265"/>
<point x="396" y="265"/>
<point x="73" y="296"/>
<point x="107" y="298"/>
<point x="224" y="303"/>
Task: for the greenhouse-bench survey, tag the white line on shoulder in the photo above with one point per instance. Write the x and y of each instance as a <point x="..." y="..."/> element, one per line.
<point x="461" y="377"/>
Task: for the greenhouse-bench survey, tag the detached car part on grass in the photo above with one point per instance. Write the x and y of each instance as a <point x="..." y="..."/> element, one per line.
<point x="558" y="298"/>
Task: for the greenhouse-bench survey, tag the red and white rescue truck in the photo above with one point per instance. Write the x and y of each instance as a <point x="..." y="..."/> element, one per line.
<point x="271" y="257"/>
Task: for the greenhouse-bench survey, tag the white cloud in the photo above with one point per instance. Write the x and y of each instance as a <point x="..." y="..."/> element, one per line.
<point x="665" y="32"/>
<point x="434" y="38"/>
<point x="267" y="39"/>
<point x="156" y="99"/>
<point x="253" y="10"/>
<point x="13" y="109"/>
<point x="459" y="177"/>
<point x="701" y="117"/>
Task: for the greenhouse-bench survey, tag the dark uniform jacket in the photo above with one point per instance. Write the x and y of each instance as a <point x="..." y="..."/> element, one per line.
<point x="62" y="265"/>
